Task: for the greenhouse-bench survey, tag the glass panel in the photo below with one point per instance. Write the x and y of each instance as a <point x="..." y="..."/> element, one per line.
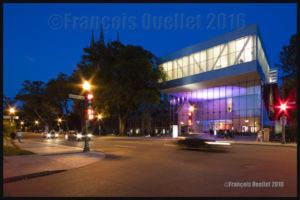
<point x="222" y="92"/>
<point x="216" y="51"/>
<point x="170" y="75"/>
<point x="210" y="53"/>
<point x="185" y="61"/>
<point x="231" y="46"/>
<point x="203" y="66"/>
<point x="224" y="47"/>
<point x="185" y="71"/>
<point x="175" y="64"/>
<point x="197" y="57"/>
<point x="179" y="73"/>
<point x="196" y="68"/>
<point x="248" y="55"/>
<point x="191" y="59"/>
<point x="203" y="56"/>
<point x="250" y="102"/>
<point x="231" y="59"/>
<point x="250" y="43"/>
<point x="240" y="44"/>
<point x="224" y="61"/>
<point x="191" y="67"/>
<point x="241" y="58"/>
<point x="174" y="73"/>
<point x="210" y="64"/>
<point x="169" y="66"/>
<point x="165" y="67"/>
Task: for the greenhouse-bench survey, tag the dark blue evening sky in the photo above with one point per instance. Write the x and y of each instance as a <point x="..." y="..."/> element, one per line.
<point x="41" y="40"/>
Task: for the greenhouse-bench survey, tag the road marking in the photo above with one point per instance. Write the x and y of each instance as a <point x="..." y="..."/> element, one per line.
<point x="125" y="146"/>
<point x="171" y="145"/>
<point x="137" y="142"/>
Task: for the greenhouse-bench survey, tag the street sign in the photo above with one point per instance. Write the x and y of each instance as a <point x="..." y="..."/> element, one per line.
<point x="9" y="117"/>
<point x="73" y="96"/>
<point x="283" y="120"/>
<point x="292" y="102"/>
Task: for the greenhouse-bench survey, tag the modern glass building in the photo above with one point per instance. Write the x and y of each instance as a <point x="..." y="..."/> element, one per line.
<point x="222" y="79"/>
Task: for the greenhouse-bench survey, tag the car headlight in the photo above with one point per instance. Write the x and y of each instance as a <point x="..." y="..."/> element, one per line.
<point x="48" y="134"/>
<point x="89" y="135"/>
<point x="56" y="135"/>
<point x="79" y="136"/>
<point x="218" y="143"/>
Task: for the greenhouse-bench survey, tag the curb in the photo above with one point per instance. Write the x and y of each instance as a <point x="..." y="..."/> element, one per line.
<point x="281" y="145"/>
<point x="29" y="176"/>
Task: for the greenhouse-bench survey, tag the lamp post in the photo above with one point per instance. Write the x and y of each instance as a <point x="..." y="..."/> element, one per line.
<point x="36" y="123"/>
<point x="22" y="123"/>
<point x="86" y="87"/>
<point x="59" y="120"/>
<point x="11" y="113"/>
<point x="283" y="108"/>
<point x="99" y="118"/>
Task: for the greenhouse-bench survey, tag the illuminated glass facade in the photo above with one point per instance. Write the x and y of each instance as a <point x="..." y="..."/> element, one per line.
<point x="222" y="79"/>
<point x="220" y="56"/>
<point x="233" y="107"/>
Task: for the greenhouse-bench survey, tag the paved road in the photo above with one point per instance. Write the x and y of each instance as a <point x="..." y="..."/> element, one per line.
<point x="155" y="167"/>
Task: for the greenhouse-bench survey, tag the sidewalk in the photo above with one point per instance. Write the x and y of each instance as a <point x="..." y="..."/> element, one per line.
<point x="48" y="158"/>
<point x="251" y="140"/>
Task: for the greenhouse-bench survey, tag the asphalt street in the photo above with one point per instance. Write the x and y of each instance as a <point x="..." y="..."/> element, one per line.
<point x="149" y="167"/>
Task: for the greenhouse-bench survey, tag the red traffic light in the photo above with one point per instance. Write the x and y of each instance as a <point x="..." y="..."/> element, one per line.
<point x="283" y="107"/>
<point x="190" y="114"/>
<point x="90" y="96"/>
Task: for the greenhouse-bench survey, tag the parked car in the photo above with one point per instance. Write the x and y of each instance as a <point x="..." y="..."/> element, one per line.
<point x="196" y="141"/>
<point x="74" y="135"/>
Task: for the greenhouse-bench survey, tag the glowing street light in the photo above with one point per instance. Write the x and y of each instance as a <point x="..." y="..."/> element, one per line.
<point x="86" y="85"/>
<point x="191" y="108"/>
<point x="12" y="111"/>
<point x="36" y="122"/>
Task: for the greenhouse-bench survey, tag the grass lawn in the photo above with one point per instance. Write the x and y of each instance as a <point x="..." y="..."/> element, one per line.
<point x="11" y="149"/>
<point x="14" y="151"/>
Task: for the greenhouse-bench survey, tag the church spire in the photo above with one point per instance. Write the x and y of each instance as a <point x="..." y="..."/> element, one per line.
<point x="92" y="39"/>
<point x="101" y="40"/>
<point x="118" y="37"/>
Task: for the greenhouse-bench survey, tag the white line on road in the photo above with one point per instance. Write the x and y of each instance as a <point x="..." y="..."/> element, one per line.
<point x="171" y="145"/>
<point x="125" y="146"/>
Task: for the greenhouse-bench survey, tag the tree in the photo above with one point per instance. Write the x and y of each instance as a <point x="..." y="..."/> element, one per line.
<point x="289" y="62"/>
<point x="125" y="77"/>
<point x="57" y="91"/>
<point x="288" y="65"/>
<point x="35" y="102"/>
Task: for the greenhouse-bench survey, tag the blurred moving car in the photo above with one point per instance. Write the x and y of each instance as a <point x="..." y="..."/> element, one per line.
<point x="196" y="141"/>
<point x="51" y="134"/>
<point x="74" y="135"/>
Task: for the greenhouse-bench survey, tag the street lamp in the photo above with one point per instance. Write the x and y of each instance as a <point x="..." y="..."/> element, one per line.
<point x="99" y="117"/>
<point x="37" y="123"/>
<point x="11" y="113"/>
<point x="22" y="123"/>
<point x="86" y="86"/>
<point x="59" y="121"/>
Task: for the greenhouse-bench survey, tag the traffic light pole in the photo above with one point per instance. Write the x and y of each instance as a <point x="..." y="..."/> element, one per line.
<point x="86" y="142"/>
<point x="283" y="122"/>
